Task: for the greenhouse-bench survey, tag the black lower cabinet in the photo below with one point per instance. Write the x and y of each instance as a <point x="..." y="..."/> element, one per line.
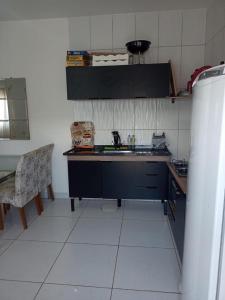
<point x="119" y="180"/>
<point x="176" y="213"/>
<point x="85" y="179"/>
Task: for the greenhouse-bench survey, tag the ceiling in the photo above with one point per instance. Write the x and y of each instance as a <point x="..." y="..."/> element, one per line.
<point x="41" y="9"/>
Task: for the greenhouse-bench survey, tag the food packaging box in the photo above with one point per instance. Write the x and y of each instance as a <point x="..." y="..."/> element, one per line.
<point x="112" y="59"/>
<point x="82" y="134"/>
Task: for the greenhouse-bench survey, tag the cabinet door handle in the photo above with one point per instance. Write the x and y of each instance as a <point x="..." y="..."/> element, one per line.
<point x="147" y="187"/>
<point x="151" y="174"/>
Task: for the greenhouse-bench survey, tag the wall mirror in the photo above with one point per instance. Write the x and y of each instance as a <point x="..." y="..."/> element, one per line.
<point x="14" y="124"/>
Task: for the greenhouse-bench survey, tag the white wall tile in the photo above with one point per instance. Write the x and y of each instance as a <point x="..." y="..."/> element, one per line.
<point x="185" y="109"/>
<point x="171" y="140"/>
<point x="192" y="58"/>
<point x="173" y="54"/>
<point x="151" y="56"/>
<point x="101" y="32"/>
<point x="103" y="137"/>
<point x="124" y="135"/>
<point x="103" y="114"/>
<point x="210" y="23"/>
<point x="144" y="137"/>
<point x="194" y="23"/>
<point x="123" y="29"/>
<point x="145" y="114"/>
<point x="124" y="114"/>
<point x="209" y="53"/>
<point x="83" y="110"/>
<point x="184" y="144"/>
<point x="217" y="48"/>
<point x="170" y="23"/>
<point x="219" y="21"/>
<point x="167" y="114"/>
<point x="147" y="27"/>
<point x="79" y="33"/>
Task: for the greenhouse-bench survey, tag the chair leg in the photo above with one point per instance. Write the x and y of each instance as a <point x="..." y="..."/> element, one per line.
<point x="1" y="218"/>
<point x="23" y="217"/>
<point x="38" y="204"/>
<point x="50" y="192"/>
<point x="5" y="208"/>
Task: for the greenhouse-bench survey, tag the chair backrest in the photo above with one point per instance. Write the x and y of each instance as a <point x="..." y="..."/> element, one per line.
<point x="26" y="179"/>
<point x="44" y="157"/>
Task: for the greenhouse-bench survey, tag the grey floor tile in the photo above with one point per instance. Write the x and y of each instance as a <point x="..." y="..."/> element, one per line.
<point x="13" y="290"/>
<point x="66" y="292"/>
<point x="99" y="209"/>
<point x="146" y="233"/>
<point x="28" y="261"/>
<point x="141" y="295"/>
<point x="151" y="269"/>
<point x="52" y="229"/>
<point x="143" y="210"/>
<point x="96" y="231"/>
<point x="88" y="265"/>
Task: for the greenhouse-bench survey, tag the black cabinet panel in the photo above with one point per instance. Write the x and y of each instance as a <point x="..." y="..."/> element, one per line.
<point x="85" y="179"/>
<point x="176" y="214"/>
<point x="150" y="80"/>
<point x="118" y="82"/>
<point x="119" y="180"/>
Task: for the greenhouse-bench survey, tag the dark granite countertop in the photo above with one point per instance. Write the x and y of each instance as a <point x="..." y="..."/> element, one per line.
<point x="124" y="150"/>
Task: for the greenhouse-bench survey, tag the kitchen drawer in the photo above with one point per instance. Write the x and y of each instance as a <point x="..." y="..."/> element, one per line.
<point x="148" y="192"/>
<point x="151" y="178"/>
<point x="151" y="167"/>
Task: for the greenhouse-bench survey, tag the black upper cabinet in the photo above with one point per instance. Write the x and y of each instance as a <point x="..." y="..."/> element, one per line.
<point x="118" y="82"/>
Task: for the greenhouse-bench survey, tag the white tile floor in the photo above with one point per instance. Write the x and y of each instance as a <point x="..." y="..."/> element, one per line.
<point x="98" y="252"/>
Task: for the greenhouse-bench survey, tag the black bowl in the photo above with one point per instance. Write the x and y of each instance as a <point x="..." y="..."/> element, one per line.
<point x="138" y="46"/>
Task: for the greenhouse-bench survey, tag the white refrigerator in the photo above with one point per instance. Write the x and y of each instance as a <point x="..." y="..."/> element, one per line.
<point x="203" y="274"/>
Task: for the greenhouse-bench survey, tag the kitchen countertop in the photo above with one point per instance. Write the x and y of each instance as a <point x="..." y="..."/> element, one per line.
<point x="122" y="153"/>
<point x="181" y="181"/>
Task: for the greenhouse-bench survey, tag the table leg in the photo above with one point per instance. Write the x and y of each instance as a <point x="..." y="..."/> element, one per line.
<point x="72" y="204"/>
<point x="1" y="218"/>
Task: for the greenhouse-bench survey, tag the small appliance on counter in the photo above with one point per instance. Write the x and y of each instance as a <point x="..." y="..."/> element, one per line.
<point x="181" y="167"/>
<point x="159" y="141"/>
<point x="82" y="134"/>
<point x="116" y="138"/>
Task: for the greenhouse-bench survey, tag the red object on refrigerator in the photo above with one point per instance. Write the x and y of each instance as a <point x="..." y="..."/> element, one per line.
<point x="194" y="75"/>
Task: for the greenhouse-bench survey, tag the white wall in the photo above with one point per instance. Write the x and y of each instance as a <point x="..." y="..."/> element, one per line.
<point x="36" y="50"/>
<point x="215" y="33"/>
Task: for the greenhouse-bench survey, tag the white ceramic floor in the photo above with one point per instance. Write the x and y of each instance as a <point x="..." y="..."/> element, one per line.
<point x="98" y="252"/>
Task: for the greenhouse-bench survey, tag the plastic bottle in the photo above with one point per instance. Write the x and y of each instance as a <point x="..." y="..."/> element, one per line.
<point x="129" y="139"/>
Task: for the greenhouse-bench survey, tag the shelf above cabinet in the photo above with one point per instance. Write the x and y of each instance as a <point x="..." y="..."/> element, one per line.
<point x="118" y="82"/>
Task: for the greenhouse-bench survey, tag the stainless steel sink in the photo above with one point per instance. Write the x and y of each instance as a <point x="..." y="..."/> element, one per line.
<point x="118" y="151"/>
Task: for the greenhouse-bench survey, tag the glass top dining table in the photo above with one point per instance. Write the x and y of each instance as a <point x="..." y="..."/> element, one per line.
<point x="8" y="165"/>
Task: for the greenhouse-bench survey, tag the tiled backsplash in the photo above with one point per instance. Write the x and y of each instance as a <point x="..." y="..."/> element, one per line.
<point x="176" y="35"/>
<point x="215" y="33"/>
<point x="141" y="117"/>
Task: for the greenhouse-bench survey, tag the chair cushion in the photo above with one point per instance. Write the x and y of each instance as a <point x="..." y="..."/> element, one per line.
<point x="7" y="191"/>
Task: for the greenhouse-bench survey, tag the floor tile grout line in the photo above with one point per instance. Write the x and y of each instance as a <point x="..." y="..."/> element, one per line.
<point x="117" y="252"/>
<point x="121" y="245"/>
<point x="64" y="244"/>
<point x="10" y="244"/>
<point x="90" y="286"/>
